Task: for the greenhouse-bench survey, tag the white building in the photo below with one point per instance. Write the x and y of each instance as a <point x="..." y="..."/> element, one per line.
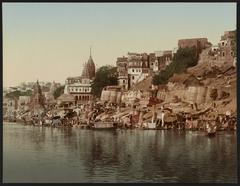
<point x="80" y="86"/>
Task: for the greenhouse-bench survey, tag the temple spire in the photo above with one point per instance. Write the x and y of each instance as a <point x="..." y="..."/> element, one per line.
<point x="90" y="51"/>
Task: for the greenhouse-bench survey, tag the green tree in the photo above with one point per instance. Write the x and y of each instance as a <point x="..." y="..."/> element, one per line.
<point x="105" y="75"/>
<point x="58" y="92"/>
<point x="17" y="93"/>
<point x="183" y="59"/>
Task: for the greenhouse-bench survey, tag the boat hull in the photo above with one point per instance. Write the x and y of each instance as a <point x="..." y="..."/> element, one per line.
<point x="104" y="126"/>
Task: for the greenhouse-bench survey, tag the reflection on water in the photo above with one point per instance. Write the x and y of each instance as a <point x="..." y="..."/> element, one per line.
<point x="36" y="154"/>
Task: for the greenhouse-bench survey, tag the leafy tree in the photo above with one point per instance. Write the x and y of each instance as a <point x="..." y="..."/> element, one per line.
<point x="105" y="75"/>
<point x="17" y="93"/>
<point x="58" y="92"/>
<point x="184" y="58"/>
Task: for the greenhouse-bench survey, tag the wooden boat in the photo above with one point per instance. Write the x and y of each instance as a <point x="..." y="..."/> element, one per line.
<point x="211" y="134"/>
<point x="104" y="125"/>
<point x="150" y="126"/>
<point x="211" y="131"/>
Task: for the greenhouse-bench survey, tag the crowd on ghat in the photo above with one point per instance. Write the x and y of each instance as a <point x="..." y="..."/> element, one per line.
<point x="125" y="118"/>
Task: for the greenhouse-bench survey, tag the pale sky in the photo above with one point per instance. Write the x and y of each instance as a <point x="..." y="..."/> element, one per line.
<point x="50" y="41"/>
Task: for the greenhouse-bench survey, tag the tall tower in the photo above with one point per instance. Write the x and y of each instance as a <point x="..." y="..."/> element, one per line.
<point x="37" y="99"/>
<point x="89" y="67"/>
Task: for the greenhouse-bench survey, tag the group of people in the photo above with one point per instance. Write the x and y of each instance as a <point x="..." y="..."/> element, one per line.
<point x="88" y="114"/>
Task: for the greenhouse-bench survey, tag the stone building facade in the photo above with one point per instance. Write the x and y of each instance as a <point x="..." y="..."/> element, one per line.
<point x="138" y="66"/>
<point x="163" y="59"/>
<point x="223" y="52"/>
<point x="80" y="86"/>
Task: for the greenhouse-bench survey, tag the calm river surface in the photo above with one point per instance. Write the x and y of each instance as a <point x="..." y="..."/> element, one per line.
<point x="44" y="154"/>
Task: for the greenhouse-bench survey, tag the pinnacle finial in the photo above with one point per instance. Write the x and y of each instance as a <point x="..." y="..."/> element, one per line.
<point x="90" y="51"/>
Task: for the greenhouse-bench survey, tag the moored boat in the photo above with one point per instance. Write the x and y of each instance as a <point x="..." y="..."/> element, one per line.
<point x="104" y="125"/>
<point x="211" y="131"/>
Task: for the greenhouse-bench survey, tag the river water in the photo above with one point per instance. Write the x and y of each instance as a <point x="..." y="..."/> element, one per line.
<point x="43" y="154"/>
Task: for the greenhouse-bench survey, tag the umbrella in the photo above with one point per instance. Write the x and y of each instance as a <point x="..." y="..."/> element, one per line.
<point x="170" y="117"/>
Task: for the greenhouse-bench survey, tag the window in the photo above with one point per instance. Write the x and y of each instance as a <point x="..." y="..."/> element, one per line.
<point x="123" y="81"/>
<point x="223" y="54"/>
<point x="222" y="43"/>
<point x="132" y="70"/>
<point x="132" y="77"/>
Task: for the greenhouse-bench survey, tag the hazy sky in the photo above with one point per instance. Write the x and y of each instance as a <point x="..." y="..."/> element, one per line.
<point x="50" y="41"/>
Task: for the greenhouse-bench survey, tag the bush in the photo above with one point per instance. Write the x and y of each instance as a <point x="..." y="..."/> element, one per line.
<point x="183" y="59"/>
<point x="105" y="76"/>
<point x="17" y="93"/>
<point x="58" y="92"/>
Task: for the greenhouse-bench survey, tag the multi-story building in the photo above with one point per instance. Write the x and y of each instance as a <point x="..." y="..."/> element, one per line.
<point x="80" y="86"/>
<point x="10" y="106"/>
<point x="226" y="45"/>
<point x="136" y="67"/>
<point x="122" y="72"/>
<point x="163" y="59"/>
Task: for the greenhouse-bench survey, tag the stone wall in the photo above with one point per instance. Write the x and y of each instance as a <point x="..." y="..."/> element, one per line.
<point x="195" y="94"/>
<point x="111" y="94"/>
<point x="197" y="42"/>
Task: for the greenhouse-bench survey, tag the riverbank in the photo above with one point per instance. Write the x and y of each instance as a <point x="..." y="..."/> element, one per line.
<point x="112" y="116"/>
